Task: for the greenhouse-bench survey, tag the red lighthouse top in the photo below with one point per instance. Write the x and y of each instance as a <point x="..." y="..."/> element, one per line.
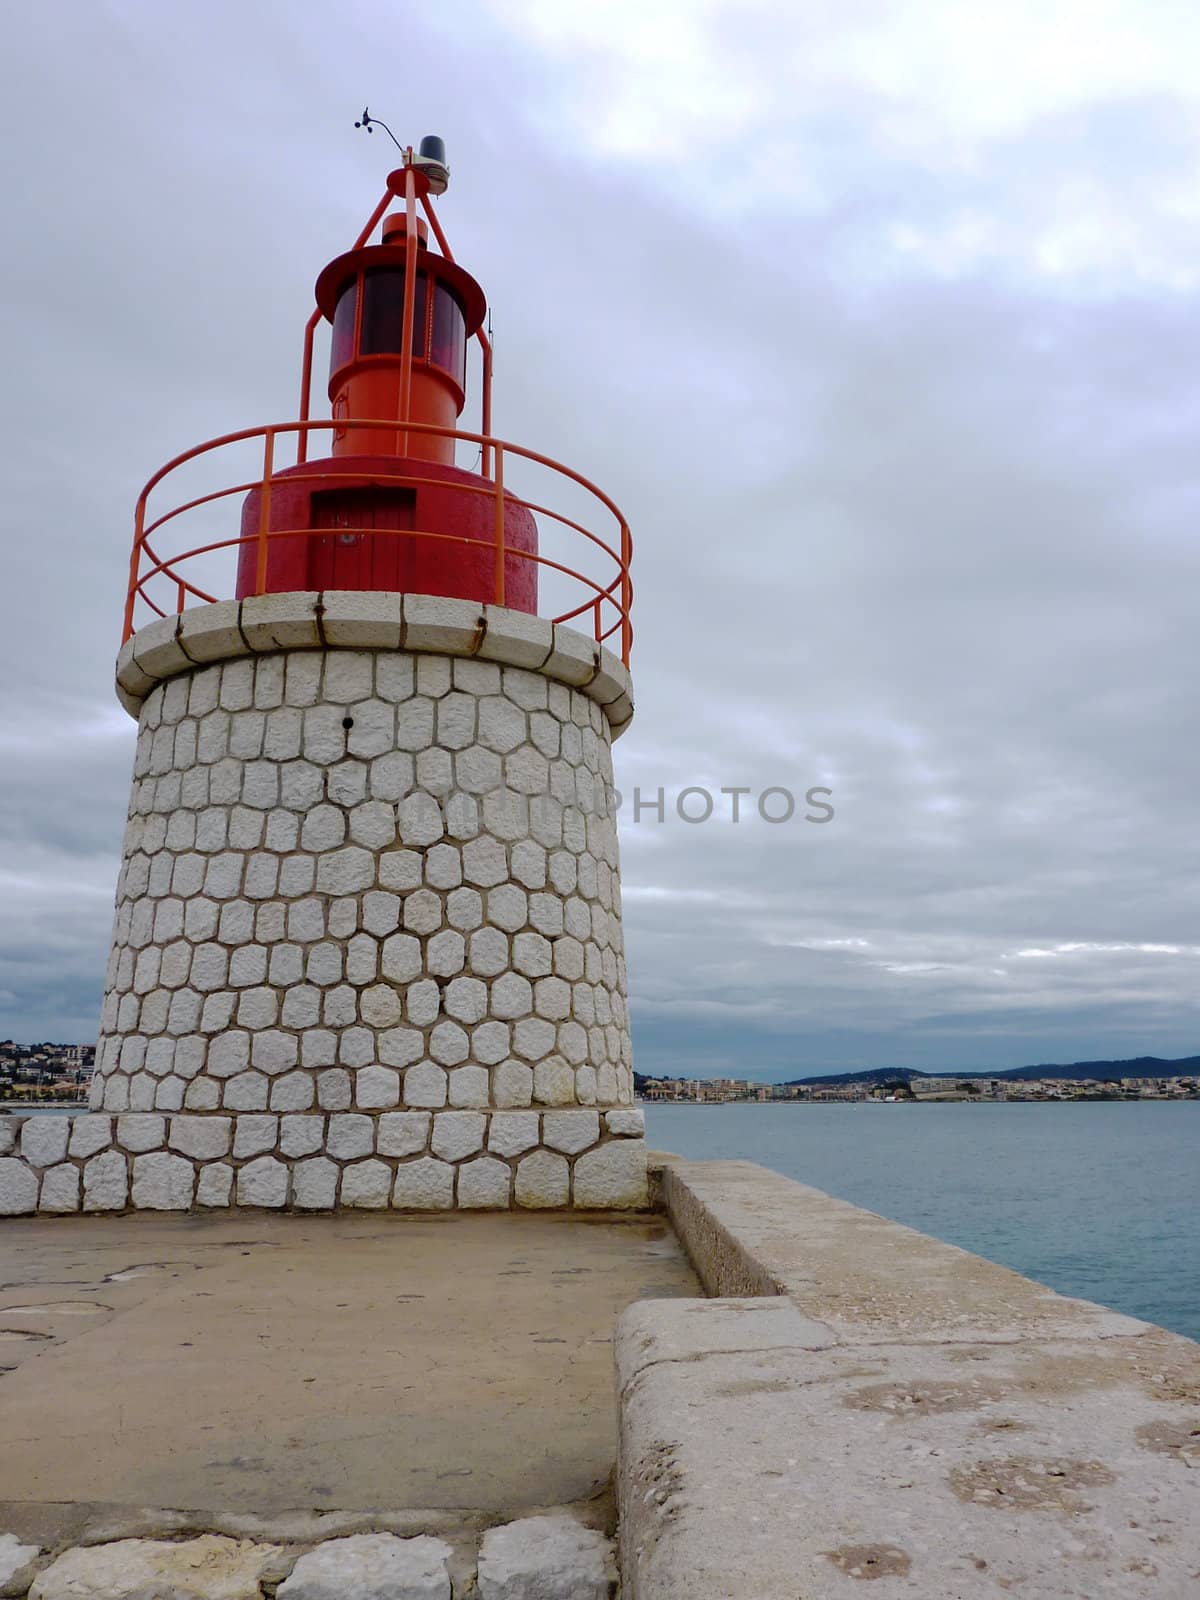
<point x="376" y="498"/>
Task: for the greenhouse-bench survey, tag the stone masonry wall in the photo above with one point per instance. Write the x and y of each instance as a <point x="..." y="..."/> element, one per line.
<point x="365" y="880"/>
<point x="306" y="1161"/>
<point x="367" y="946"/>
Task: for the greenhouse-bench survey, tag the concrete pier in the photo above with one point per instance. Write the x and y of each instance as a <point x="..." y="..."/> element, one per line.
<point x="807" y="1397"/>
<point x="860" y="1402"/>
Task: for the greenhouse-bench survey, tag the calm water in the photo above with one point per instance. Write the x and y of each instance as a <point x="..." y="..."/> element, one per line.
<point x="1101" y="1201"/>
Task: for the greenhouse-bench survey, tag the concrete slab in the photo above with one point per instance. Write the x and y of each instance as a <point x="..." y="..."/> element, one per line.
<point x="261" y="1364"/>
<point x="1056" y="1474"/>
<point x="895" y="1411"/>
<point x="689" y="1330"/>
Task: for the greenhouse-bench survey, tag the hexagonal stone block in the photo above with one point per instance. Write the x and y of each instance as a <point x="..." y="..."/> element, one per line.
<point x="60" y="1189"/>
<point x="105" y="1182"/>
<point x="366" y="1184"/>
<point x="377" y="1087"/>
<point x="140" y="1131"/>
<point x="314" y="1184"/>
<point x="612" y="1177"/>
<point x="18" y="1188"/>
<point x="424" y="1185"/>
<point x="570" y="1131"/>
<point x="551" y="1557"/>
<point x="208" y="1568"/>
<point x="403" y="1133"/>
<point x="425" y="1085"/>
<point x="263" y="1182"/>
<point x="163" y="1182"/>
<point x="214" y="1186"/>
<point x="202" y="1138"/>
<point x="44" y="1140"/>
<point x="458" y="1134"/>
<point x="350" y="1135"/>
<point x="484" y="1185"/>
<point x="371" y="1566"/>
<point x="543" y="1181"/>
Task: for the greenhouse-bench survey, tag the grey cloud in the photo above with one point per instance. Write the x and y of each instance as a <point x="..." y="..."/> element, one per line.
<point x="924" y="535"/>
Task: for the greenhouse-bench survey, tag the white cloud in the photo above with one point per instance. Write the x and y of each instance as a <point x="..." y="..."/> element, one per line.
<point x="990" y="135"/>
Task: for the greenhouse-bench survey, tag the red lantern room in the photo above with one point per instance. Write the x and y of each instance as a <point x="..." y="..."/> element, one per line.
<point x="362" y="295"/>
<point x="401" y="316"/>
<point x="376" y="498"/>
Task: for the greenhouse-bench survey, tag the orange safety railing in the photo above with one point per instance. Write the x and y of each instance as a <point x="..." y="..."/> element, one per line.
<point x="605" y="594"/>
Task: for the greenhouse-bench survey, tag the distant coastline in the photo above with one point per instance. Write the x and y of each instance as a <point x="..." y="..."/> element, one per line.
<point x="923" y="1099"/>
<point x="1142" y="1078"/>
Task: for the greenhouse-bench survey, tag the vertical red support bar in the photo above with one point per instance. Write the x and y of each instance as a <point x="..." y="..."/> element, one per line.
<point x="499" y="481"/>
<point x="596" y="620"/>
<point x="310" y="328"/>
<point x="626" y="596"/>
<point x="485" y="424"/>
<point x="264" y="512"/>
<point x="485" y="414"/>
<point x="438" y="231"/>
<point x="410" y="298"/>
<point x="369" y="225"/>
<point x="135" y="561"/>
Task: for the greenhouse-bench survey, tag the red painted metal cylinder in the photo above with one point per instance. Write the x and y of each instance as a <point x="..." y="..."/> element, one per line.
<point x="387" y="523"/>
<point x="372" y="389"/>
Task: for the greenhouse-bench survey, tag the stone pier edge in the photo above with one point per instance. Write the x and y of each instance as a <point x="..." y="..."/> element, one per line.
<point x="860" y="1401"/>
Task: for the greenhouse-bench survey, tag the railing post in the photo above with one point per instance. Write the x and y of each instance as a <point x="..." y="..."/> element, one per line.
<point x="264" y="511"/>
<point x="499" y="482"/>
<point x="135" y="561"/>
<point x="626" y="597"/>
<point x="485" y="423"/>
<point x="180" y="592"/>
<point x="310" y="328"/>
<point x="596" y="620"/>
<point x="311" y="325"/>
<point x="410" y="300"/>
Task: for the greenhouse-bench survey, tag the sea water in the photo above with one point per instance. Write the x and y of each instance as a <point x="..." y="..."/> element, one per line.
<point x="1100" y="1200"/>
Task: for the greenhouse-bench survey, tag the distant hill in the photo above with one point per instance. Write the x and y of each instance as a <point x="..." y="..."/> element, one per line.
<point x="1138" y="1067"/>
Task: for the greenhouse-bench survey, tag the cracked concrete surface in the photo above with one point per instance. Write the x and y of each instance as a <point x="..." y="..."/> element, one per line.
<point x="265" y="1372"/>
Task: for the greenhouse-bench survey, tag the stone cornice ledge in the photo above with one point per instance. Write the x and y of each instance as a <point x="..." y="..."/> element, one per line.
<point x="354" y="620"/>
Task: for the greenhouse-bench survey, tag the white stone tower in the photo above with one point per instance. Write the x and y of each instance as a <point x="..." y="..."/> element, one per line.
<point x="368" y="945"/>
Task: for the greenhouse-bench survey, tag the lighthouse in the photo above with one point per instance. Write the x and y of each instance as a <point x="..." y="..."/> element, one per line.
<point x="367" y="949"/>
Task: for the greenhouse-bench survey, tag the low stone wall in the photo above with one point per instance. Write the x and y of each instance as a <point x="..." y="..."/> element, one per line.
<point x="555" y="1557"/>
<point x="861" y="1402"/>
<point x="403" y="1160"/>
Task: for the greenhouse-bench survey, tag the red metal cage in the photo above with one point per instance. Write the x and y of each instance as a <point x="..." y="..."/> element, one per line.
<point x="158" y="581"/>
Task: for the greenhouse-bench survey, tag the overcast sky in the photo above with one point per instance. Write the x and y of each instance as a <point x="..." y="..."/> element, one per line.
<point x="880" y="321"/>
